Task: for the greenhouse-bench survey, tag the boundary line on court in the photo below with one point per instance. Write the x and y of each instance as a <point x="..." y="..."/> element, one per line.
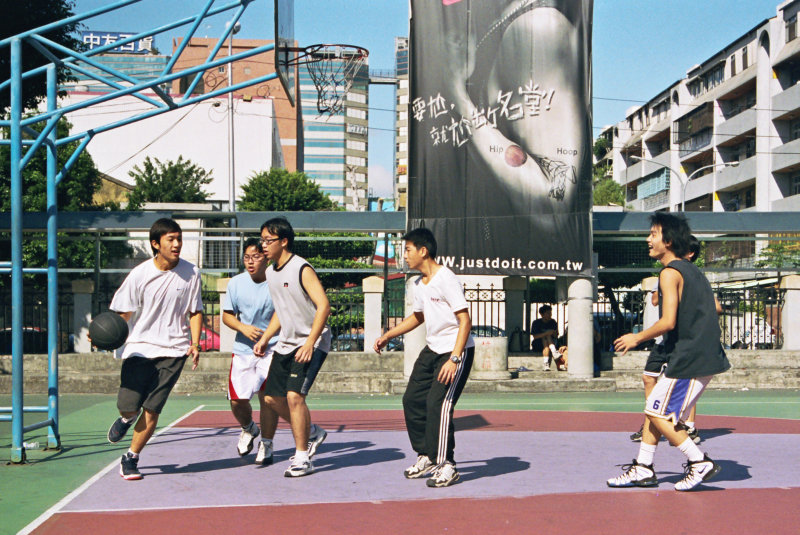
<point x="55" y="508"/>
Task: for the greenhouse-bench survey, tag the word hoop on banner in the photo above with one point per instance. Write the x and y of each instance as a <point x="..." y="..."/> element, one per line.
<point x="332" y="68"/>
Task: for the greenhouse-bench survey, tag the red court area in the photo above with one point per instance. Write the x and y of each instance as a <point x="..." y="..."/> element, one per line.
<point x="532" y="472"/>
<point x="553" y="421"/>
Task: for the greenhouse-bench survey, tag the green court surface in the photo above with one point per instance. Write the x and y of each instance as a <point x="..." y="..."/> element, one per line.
<point x="27" y="491"/>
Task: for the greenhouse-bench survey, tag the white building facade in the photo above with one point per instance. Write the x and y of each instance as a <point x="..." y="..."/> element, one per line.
<point x="724" y="138"/>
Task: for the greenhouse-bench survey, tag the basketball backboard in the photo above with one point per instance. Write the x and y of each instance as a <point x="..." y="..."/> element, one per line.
<point x="285" y="51"/>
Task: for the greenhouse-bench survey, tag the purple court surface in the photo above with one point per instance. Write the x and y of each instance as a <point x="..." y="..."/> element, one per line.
<point x="521" y="472"/>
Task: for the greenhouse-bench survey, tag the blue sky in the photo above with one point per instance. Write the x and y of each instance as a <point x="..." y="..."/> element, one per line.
<point x="639" y="46"/>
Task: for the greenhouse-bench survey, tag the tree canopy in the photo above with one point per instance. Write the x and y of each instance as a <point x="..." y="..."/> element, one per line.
<point x="280" y="190"/>
<point x="178" y="181"/>
<point x="20" y="16"/>
<point x="607" y="192"/>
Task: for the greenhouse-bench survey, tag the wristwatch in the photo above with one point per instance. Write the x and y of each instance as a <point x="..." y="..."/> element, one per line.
<point x="455" y="359"/>
<point x="197" y="346"/>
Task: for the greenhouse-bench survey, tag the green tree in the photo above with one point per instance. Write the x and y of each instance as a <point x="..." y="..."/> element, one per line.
<point x="178" y="181"/>
<point x="780" y="255"/>
<point x="281" y="191"/>
<point x="601" y="148"/>
<point x="22" y="15"/>
<point x="608" y="192"/>
<point x="74" y="193"/>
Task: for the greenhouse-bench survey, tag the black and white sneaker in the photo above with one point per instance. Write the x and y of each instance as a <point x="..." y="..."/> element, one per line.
<point x="423" y="467"/>
<point x="635" y="475"/>
<point x="128" y="468"/>
<point x="694" y="435"/>
<point x="264" y="455"/>
<point x="316" y="437"/>
<point x="697" y="472"/>
<point x="118" y="430"/>
<point x="637" y="436"/>
<point x="299" y="469"/>
<point x="246" y="439"/>
<point x="444" y="475"/>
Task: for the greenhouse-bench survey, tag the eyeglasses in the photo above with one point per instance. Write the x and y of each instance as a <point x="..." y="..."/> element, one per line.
<point x="266" y="242"/>
<point x="253" y="258"/>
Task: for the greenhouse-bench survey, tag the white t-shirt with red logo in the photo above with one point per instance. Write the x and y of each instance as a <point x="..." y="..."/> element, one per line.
<point x="439" y="300"/>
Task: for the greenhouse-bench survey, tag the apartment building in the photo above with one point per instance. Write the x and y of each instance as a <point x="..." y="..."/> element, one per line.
<point x="401" y="123"/>
<point x="724" y="138"/>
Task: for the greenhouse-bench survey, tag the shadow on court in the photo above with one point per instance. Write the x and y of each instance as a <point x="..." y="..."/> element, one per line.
<point x="497" y="466"/>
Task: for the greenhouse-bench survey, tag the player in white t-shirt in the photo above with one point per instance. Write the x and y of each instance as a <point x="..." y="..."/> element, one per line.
<point x="443" y="366"/>
<point x="156" y="298"/>
<point x="248" y="309"/>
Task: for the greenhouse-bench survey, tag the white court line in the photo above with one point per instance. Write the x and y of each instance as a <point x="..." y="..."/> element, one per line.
<point x="74" y="494"/>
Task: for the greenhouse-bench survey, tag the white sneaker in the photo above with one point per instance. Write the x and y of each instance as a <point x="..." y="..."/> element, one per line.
<point x="299" y="469"/>
<point x="264" y="455"/>
<point x="423" y="467"/>
<point x="635" y="475"/>
<point x="444" y="476"/>
<point x="246" y="439"/>
<point x="546" y="364"/>
<point x="697" y="472"/>
<point x="315" y="438"/>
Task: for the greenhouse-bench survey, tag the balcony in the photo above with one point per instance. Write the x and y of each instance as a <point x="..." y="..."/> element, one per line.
<point x="786" y="157"/>
<point x="786" y="104"/>
<point x="697" y="187"/>
<point x="734" y="129"/>
<point x="734" y="177"/>
<point x="631" y="173"/>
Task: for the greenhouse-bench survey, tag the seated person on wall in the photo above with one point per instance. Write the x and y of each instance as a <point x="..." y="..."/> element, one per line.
<point x="544" y="332"/>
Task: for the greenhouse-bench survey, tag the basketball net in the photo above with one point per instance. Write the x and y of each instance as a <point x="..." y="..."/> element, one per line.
<point x="333" y="69"/>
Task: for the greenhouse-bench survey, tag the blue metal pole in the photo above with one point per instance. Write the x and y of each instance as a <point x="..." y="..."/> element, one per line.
<point x="17" y="398"/>
<point x="53" y="436"/>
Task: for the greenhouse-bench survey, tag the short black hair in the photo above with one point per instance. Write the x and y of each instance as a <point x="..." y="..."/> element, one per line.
<point x="280" y="227"/>
<point x="251" y="242"/>
<point x="544" y="308"/>
<point x="163" y="226"/>
<point x="422" y="237"/>
<point x="674" y="231"/>
<point x="694" y="247"/>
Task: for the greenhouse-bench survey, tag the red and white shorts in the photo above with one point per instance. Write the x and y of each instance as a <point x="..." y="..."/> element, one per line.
<point x="248" y="375"/>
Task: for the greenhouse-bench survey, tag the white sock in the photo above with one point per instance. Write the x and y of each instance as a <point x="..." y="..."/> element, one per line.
<point x="646" y="453"/>
<point x="690" y="449"/>
<point x="690" y="425"/>
<point x="554" y="352"/>
<point x="133" y="455"/>
<point x="300" y="456"/>
<point x="267" y="442"/>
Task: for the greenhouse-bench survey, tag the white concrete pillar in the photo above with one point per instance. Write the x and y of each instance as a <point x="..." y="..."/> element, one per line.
<point x="82" y="291"/>
<point x="514" y="288"/>
<point x="791" y="311"/>
<point x="579" y="303"/>
<point x="414" y="341"/>
<point x="226" y="334"/>
<point x="650" y="315"/>
<point x="491" y="358"/>
<point x="373" y="300"/>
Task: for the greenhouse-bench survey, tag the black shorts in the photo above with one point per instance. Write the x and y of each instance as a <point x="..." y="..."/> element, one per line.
<point x="656" y="361"/>
<point x="288" y="375"/>
<point x="147" y="382"/>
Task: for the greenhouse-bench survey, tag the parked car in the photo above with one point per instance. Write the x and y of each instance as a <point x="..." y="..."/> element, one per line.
<point x="209" y="340"/>
<point x="486" y="331"/>
<point x="355" y="342"/>
<point x="34" y="340"/>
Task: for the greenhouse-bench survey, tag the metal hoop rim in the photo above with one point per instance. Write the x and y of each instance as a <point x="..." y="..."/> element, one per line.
<point x="305" y="53"/>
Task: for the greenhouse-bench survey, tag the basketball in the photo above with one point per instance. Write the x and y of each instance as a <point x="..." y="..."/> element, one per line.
<point x="515" y="156"/>
<point x="108" y="330"/>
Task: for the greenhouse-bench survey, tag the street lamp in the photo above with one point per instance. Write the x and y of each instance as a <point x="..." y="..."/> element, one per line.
<point x="231" y="177"/>
<point x="681" y="175"/>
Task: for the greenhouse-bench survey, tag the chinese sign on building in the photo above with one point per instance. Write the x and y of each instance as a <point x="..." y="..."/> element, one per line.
<point x="98" y="39"/>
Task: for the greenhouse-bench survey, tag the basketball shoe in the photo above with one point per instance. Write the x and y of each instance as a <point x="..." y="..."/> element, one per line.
<point x="444" y="475"/>
<point x="635" y="475"/>
<point x="119" y="429"/>
<point x="128" y="468"/>
<point x="315" y="438"/>
<point x="246" y="438"/>
<point x="697" y="472"/>
<point x="264" y="454"/>
<point x="423" y="467"/>
<point x="299" y="469"/>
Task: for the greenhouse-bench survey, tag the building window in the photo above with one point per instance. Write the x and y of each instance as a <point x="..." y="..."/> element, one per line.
<point x="744" y="58"/>
<point x="247" y="70"/>
<point x="794" y="132"/>
<point x="733" y="65"/>
<point x="791" y="29"/>
<point x="749" y="198"/>
<point x="795" y="185"/>
<point x="221" y="68"/>
<point x="356" y="145"/>
<point x="355" y="160"/>
<point x="750" y="148"/>
<point x="355" y="112"/>
<point x="357" y="97"/>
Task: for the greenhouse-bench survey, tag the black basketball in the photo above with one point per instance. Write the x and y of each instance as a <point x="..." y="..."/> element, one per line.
<point x="108" y="330"/>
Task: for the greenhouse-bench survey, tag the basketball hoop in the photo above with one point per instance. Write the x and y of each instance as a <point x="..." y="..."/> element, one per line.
<point x="332" y="69"/>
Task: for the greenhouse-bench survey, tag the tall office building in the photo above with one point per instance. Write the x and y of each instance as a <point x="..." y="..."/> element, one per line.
<point x="724" y="138"/>
<point x="335" y="144"/>
<point x="401" y="123"/>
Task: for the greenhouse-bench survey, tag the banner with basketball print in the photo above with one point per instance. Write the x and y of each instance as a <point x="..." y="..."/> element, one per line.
<point x="500" y="135"/>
